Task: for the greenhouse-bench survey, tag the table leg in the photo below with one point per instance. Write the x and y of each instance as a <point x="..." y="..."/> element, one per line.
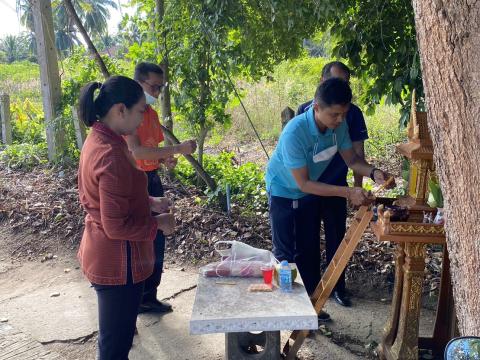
<point x="243" y="346"/>
<point x="390" y="330"/>
<point x="405" y="346"/>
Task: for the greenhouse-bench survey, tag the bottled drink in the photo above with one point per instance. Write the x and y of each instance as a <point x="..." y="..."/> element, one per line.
<point x="285" y="276"/>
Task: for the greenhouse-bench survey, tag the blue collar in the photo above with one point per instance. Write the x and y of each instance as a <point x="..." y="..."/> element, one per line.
<point x="312" y="125"/>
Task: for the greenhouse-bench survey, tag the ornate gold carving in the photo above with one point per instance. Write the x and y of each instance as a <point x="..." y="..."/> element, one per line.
<point x="415" y="292"/>
<point x="420" y="229"/>
<point x="415" y="250"/>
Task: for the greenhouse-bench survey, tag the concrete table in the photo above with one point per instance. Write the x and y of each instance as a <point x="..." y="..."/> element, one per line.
<point x="231" y="309"/>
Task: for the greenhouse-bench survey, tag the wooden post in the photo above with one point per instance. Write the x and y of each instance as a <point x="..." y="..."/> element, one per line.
<point x="80" y="129"/>
<point x="6" y="128"/>
<point x="49" y="76"/>
<point x="287" y="115"/>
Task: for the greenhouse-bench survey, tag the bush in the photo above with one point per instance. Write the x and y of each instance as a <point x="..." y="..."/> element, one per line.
<point x="24" y="156"/>
<point x="27" y="122"/>
<point x="247" y="187"/>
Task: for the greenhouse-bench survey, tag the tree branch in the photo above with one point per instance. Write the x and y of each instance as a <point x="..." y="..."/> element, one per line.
<point x="168" y="134"/>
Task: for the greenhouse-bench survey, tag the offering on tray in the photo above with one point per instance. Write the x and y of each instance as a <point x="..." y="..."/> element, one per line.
<point x="397" y="213"/>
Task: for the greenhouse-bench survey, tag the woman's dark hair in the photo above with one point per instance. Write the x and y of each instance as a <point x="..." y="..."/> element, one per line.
<point x="117" y="89"/>
<point x="144" y="68"/>
<point x="333" y="91"/>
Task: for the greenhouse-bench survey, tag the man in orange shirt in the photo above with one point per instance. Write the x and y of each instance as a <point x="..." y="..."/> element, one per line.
<point x="144" y="146"/>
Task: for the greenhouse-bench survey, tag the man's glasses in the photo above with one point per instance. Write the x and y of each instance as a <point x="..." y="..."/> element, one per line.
<point x="155" y="87"/>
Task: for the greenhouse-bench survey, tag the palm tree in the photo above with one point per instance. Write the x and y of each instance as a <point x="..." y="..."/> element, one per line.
<point x="14" y="48"/>
<point x="93" y="13"/>
<point x="25" y="11"/>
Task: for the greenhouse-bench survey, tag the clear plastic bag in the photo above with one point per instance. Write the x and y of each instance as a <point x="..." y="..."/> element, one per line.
<point x="238" y="259"/>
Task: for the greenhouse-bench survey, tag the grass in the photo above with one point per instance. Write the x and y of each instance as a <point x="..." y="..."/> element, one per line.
<point x="292" y="83"/>
<point x="384" y="133"/>
<point x="21" y="80"/>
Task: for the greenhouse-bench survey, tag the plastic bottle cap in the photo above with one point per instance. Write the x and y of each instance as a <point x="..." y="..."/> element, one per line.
<point x="284" y="262"/>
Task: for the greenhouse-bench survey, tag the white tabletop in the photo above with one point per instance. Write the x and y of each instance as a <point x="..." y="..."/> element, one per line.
<point x="221" y="308"/>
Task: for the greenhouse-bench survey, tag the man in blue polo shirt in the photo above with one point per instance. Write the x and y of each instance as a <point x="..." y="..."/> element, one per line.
<point x="333" y="209"/>
<point x="305" y="148"/>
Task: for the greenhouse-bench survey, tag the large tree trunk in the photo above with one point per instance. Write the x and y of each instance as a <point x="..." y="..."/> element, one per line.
<point x="448" y="34"/>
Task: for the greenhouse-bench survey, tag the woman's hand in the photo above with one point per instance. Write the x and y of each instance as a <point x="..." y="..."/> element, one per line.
<point x="160" y="204"/>
<point x="166" y="223"/>
<point x="382" y="178"/>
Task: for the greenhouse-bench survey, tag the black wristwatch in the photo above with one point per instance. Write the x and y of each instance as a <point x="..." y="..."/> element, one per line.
<point x="372" y="173"/>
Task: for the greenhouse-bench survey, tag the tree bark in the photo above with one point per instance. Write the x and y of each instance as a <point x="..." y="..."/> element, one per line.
<point x="448" y="34"/>
<point x="49" y="76"/>
<point x="165" y="99"/>
<point x="198" y="168"/>
<point x="93" y="50"/>
<point x="201" y="142"/>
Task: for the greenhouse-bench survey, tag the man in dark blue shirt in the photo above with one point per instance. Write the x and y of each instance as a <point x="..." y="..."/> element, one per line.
<point x="333" y="210"/>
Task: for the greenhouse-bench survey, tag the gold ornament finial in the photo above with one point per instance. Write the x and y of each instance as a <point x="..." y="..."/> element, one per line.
<point x="413" y="130"/>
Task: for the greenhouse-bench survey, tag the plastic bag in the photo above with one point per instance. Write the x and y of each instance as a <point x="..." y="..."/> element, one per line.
<point x="238" y="259"/>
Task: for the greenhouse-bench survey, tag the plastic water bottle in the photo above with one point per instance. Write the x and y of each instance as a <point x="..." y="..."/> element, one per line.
<point x="285" y="276"/>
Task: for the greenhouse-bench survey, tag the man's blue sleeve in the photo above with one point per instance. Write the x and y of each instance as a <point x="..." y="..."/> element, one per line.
<point x="356" y="124"/>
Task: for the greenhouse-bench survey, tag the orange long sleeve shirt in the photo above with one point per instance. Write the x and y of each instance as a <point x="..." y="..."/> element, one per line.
<point x="113" y="192"/>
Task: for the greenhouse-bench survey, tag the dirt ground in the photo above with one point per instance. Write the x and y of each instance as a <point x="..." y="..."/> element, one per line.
<point x="46" y="303"/>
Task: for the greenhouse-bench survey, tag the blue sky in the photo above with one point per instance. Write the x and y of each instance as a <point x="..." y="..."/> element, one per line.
<point x="10" y="24"/>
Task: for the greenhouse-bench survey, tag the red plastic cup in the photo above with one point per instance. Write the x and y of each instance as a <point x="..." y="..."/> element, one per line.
<point x="267" y="272"/>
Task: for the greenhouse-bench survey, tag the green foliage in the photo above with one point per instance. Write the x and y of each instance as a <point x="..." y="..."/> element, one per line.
<point x="80" y="69"/>
<point x="378" y="38"/>
<point x="292" y="83"/>
<point x="208" y="40"/>
<point x="24" y="156"/>
<point x="21" y="81"/>
<point x="15" y="48"/>
<point x="27" y="122"/>
<point x="94" y="15"/>
<point x="435" y="198"/>
<point x="384" y="133"/>
<point x="246" y="181"/>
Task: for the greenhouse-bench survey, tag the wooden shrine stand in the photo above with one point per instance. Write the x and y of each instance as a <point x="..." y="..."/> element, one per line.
<point x="401" y="334"/>
<point x="401" y="339"/>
